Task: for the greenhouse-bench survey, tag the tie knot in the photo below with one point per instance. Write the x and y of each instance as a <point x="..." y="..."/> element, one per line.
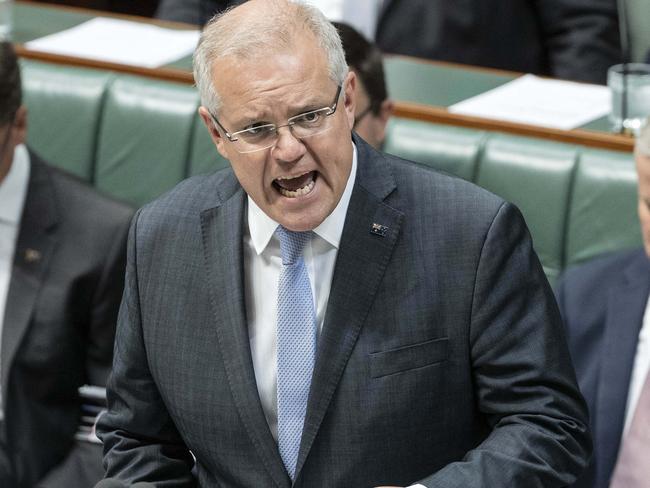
<point x="291" y="244"/>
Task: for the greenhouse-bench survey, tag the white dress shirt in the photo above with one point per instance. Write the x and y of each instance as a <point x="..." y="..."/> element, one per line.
<point x="13" y="189"/>
<point x="262" y="267"/>
<point x="640" y="369"/>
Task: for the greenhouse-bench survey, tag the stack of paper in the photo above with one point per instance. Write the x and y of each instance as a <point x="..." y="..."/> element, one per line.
<point x="120" y="41"/>
<point x="538" y="101"/>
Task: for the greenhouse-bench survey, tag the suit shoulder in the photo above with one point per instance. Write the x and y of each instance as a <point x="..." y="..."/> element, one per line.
<point x="427" y="187"/>
<point x="191" y="196"/>
<point x="583" y="290"/>
<point x="601" y="270"/>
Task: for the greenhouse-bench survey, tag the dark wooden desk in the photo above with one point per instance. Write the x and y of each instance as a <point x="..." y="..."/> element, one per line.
<point x="421" y="89"/>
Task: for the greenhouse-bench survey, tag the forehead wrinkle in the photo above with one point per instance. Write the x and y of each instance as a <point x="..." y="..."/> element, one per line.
<point x="275" y="94"/>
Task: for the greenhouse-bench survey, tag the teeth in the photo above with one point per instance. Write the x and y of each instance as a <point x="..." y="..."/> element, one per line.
<point x="300" y="191"/>
<point x="291" y="177"/>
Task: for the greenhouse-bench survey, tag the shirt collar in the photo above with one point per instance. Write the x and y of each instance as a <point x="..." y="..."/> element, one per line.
<point x="262" y="227"/>
<point x="14" y="187"/>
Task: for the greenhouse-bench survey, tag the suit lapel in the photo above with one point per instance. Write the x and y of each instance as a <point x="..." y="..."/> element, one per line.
<point x="222" y="246"/>
<point x="36" y="241"/>
<point x="625" y="309"/>
<point x="360" y="265"/>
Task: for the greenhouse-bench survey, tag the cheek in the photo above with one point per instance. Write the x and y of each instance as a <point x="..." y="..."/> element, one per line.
<point x="249" y="178"/>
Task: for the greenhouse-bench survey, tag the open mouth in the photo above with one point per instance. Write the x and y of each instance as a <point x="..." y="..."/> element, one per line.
<point x="296" y="186"/>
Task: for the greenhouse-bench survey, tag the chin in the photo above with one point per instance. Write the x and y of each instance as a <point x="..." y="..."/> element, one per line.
<point x="300" y="222"/>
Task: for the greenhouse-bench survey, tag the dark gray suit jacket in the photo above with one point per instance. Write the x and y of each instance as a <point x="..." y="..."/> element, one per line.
<point x="573" y="39"/>
<point x="59" y="321"/>
<point x="193" y="11"/>
<point x="603" y="303"/>
<point x="442" y="356"/>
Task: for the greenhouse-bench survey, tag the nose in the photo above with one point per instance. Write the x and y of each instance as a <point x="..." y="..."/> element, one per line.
<point x="288" y="148"/>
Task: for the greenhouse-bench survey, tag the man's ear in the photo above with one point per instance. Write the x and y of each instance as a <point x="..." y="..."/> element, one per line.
<point x="215" y="135"/>
<point x="20" y="126"/>
<point x="349" y="99"/>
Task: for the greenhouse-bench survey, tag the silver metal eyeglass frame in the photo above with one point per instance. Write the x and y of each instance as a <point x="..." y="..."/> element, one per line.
<point x="291" y="121"/>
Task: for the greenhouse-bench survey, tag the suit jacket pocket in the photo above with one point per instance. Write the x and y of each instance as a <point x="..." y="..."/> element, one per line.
<point x="405" y="358"/>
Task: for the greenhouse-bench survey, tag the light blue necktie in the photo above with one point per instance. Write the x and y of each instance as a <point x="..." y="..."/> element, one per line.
<point x="296" y="334"/>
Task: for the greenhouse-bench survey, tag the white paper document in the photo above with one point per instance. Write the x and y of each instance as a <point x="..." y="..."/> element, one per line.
<point x="537" y="101"/>
<point x="120" y="41"/>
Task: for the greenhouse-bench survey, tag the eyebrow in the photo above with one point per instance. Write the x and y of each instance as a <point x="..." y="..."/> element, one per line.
<point x="244" y="121"/>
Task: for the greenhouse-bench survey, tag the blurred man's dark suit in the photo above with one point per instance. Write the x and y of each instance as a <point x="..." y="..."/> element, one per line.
<point x="603" y="302"/>
<point x="59" y="323"/>
<point x="573" y="39"/>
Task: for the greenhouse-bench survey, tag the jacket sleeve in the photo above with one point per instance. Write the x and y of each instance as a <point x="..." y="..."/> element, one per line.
<point x="141" y="442"/>
<point x="105" y="305"/>
<point x="524" y="381"/>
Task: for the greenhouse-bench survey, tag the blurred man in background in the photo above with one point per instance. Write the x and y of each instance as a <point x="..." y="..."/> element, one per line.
<point x="606" y="307"/>
<point x="571" y="39"/>
<point x="62" y="254"/>
<point x="374" y="108"/>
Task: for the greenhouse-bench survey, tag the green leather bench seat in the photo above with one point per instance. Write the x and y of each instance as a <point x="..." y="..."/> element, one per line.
<point x="135" y="138"/>
<point x="537" y="178"/>
<point x="602" y="213"/>
<point x="449" y="149"/>
<point x="65" y="107"/>
<point x="145" y="134"/>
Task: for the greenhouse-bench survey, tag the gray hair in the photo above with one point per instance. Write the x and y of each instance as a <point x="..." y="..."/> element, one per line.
<point x="224" y="36"/>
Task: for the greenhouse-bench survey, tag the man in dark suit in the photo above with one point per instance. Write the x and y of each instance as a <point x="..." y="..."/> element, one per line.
<point x="324" y="315"/>
<point x="193" y="11"/>
<point x="62" y="254"/>
<point x="572" y="39"/>
<point x="605" y="306"/>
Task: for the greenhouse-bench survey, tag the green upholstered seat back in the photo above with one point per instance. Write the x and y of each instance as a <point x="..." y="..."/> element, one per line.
<point x="537" y="178"/>
<point x="602" y="216"/>
<point x="450" y="149"/>
<point x="64" y="110"/>
<point x="145" y="136"/>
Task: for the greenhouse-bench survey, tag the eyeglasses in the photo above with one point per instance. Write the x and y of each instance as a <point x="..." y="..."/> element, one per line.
<point x="260" y="136"/>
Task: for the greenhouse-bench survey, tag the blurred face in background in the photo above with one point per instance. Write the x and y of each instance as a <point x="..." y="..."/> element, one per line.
<point x="11" y="135"/>
<point x="370" y="122"/>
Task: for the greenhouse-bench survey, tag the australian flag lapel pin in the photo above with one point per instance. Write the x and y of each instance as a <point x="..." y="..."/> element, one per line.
<point x="378" y="230"/>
